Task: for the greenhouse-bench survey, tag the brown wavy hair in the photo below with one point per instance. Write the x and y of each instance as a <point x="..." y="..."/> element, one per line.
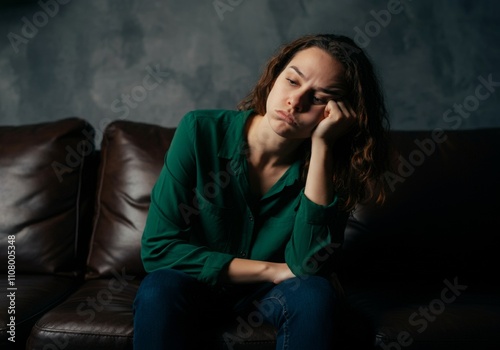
<point x="361" y="155"/>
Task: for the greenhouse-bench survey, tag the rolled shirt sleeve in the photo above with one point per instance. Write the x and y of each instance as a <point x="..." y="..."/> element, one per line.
<point x="312" y="232"/>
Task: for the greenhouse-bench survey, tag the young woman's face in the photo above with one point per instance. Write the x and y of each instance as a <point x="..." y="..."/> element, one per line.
<point x="296" y="103"/>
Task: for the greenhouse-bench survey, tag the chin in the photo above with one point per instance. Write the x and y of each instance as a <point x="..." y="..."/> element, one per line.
<point x="285" y="130"/>
<point x="281" y="128"/>
<point x="290" y="134"/>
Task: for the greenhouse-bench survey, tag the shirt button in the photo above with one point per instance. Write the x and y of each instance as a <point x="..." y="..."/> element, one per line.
<point x="243" y="254"/>
<point x="251" y="218"/>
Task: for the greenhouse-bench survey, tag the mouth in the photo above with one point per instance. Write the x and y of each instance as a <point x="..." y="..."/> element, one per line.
<point x="285" y="116"/>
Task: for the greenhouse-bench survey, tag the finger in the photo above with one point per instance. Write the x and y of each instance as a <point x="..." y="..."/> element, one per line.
<point x="346" y="109"/>
<point x="331" y="107"/>
<point x="350" y="109"/>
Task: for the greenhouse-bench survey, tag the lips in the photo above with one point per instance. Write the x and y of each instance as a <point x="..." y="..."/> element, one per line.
<point x="287" y="117"/>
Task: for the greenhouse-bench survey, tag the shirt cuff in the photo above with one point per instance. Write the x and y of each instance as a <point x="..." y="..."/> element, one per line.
<point x="316" y="214"/>
<point x="213" y="267"/>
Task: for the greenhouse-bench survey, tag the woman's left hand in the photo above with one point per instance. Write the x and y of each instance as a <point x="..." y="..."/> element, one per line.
<point x="339" y="117"/>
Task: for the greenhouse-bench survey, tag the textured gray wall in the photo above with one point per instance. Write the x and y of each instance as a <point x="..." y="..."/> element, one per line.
<point x="153" y="61"/>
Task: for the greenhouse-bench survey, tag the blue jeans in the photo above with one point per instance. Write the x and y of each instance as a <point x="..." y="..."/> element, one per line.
<point x="170" y="304"/>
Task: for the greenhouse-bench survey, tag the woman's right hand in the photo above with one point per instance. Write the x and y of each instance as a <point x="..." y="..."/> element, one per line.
<point x="281" y="272"/>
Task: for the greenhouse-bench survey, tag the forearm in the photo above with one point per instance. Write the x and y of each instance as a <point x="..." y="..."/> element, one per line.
<point x="254" y="271"/>
<point x="319" y="185"/>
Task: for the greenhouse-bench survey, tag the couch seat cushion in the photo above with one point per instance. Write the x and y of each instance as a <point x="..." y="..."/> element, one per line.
<point x="35" y="295"/>
<point x="97" y="316"/>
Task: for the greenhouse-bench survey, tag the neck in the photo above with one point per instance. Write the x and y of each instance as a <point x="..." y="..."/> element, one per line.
<point x="266" y="148"/>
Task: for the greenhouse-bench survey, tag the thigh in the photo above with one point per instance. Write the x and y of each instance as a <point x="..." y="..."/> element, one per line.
<point x="172" y="287"/>
<point x="306" y="301"/>
<point x="305" y="292"/>
<point x="170" y="308"/>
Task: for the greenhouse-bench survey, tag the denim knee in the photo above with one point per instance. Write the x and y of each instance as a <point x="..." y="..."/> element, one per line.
<point x="317" y="288"/>
<point x="306" y="295"/>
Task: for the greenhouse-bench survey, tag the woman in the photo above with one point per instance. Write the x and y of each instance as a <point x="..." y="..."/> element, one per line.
<point x="245" y="213"/>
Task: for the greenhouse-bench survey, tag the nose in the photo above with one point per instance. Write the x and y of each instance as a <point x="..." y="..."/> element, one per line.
<point x="297" y="101"/>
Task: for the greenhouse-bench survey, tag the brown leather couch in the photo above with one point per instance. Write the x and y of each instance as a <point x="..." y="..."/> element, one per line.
<point x="418" y="273"/>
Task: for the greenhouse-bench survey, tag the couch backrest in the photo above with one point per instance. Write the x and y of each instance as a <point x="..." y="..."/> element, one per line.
<point x="46" y="196"/>
<point x="442" y="217"/>
<point x="132" y="155"/>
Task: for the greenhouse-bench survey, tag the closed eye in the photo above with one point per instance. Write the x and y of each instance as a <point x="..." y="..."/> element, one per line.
<point x="320" y="101"/>
<point x="292" y="82"/>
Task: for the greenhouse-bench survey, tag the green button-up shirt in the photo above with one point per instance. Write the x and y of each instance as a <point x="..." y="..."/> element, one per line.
<point x="203" y="213"/>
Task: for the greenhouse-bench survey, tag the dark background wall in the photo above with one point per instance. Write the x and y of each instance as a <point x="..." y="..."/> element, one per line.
<point x="153" y="61"/>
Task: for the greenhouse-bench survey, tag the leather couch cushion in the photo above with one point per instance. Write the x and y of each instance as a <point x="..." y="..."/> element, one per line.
<point x="97" y="316"/>
<point x="35" y="295"/>
<point x="132" y="155"/>
<point x="46" y="195"/>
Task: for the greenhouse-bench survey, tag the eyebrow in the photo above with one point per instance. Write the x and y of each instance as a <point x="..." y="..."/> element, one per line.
<point x="326" y="91"/>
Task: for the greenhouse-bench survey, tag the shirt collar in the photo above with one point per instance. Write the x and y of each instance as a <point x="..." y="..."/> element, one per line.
<point x="290" y="178"/>
<point x="235" y="136"/>
<point x="234" y="142"/>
